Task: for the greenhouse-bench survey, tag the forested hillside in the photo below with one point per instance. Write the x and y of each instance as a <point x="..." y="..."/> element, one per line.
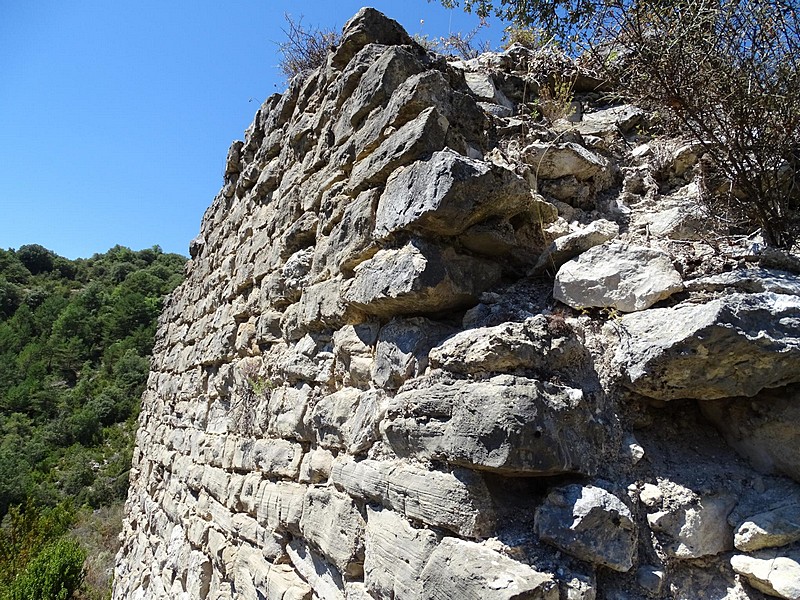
<point x="75" y="340"/>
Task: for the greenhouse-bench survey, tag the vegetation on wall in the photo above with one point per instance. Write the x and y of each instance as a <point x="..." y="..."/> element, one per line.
<point x="724" y="73"/>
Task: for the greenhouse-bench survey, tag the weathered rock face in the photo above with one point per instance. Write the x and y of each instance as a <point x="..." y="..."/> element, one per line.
<point x="372" y="385"/>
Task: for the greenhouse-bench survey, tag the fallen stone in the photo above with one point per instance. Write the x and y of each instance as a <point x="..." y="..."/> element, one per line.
<point x="589" y="523"/>
<point x="569" y="246"/>
<point x="771" y="571"/>
<point x="736" y="345"/>
<point x="469" y="571"/>
<point x="510" y="425"/>
<point x="627" y="278"/>
<point x="553" y="161"/>
<point x="751" y="281"/>
<point x="769" y="529"/>
<point x="617" y="119"/>
<point x="696" y="529"/>
<point x="419" y="278"/>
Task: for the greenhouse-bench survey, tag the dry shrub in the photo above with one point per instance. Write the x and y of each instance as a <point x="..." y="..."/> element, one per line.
<point x="304" y="49"/>
<point x="726" y="72"/>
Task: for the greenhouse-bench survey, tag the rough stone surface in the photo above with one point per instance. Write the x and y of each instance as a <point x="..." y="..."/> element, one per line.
<point x="774" y="573"/>
<point x="505" y="424"/>
<point x="589" y="523"/>
<point x="762" y="428"/>
<point x="418" y="278"/>
<point x="627" y="278"/>
<point x="573" y="244"/>
<point x="777" y="527"/>
<point x="736" y="345"/>
<point x="456" y="570"/>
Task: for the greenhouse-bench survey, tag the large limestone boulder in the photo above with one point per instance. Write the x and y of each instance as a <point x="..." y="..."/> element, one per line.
<point x="507" y="424"/>
<point x="419" y="278"/>
<point x="627" y="278"/>
<point x="447" y="194"/>
<point x="736" y="345"/>
<point x="589" y="523"/>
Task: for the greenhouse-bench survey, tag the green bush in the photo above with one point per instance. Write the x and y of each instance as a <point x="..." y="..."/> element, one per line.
<point x="54" y="574"/>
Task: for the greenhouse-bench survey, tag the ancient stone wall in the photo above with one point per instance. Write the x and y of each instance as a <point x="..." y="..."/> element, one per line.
<point x="431" y="346"/>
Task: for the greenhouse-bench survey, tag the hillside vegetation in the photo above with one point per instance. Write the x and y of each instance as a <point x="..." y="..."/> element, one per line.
<point x="75" y="341"/>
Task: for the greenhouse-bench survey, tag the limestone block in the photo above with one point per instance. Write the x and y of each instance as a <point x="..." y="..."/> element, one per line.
<point x="456" y="500"/>
<point x="573" y="244"/>
<point x="350" y="241"/>
<point x="695" y="529"/>
<point x="610" y="120"/>
<point x="316" y="466"/>
<point x="461" y="569"/>
<point x="363" y="426"/>
<point x="402" y="350"/>
<point x="506" y="424"/>
<point x="255" y="577"/>
<point x="416" y="139"/>
<point x="352" y="348"/>
<point x="280" y="505"/>
<point x="625" y="277"/>
<point x="448" y="194"/>
<point x="324" y="578"/>
<point x="321" y="306"/>
<point x="276" y="457"/>
<point x="368" y="26"/>
<point x="332" y="524"/>
<point x="286" y="410"/>
<point x="419" y="278"/>
<point x="331" y="415"/>
<point x="777" y="527"/>
<point x="589" y="523"/>
<point x="395" y="555"/>
<point x="736" y="345"/>
<point x="553" y="161"/>
<point x="507" y="347"/>
<point x="771" y="571"/>
<point x="378" y="83"/>
<point x="412" y="96"/>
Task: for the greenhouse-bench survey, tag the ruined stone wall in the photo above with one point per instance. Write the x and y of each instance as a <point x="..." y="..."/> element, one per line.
<point x="432" y="346"/>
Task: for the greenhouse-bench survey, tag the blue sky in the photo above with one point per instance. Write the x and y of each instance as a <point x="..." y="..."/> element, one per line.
<point x="116" y="117"/>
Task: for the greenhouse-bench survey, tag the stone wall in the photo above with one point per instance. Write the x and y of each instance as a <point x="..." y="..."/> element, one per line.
<point x="430" y="346"/>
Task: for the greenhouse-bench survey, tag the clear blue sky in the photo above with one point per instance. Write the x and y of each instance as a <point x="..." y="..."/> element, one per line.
<point x="116" y="117"/>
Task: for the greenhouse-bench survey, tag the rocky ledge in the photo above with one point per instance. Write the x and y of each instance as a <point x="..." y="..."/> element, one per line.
<point x="432" y="346"/>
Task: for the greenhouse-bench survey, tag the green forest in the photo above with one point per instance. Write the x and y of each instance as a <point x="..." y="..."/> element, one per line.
<point x="75" y="342"/>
